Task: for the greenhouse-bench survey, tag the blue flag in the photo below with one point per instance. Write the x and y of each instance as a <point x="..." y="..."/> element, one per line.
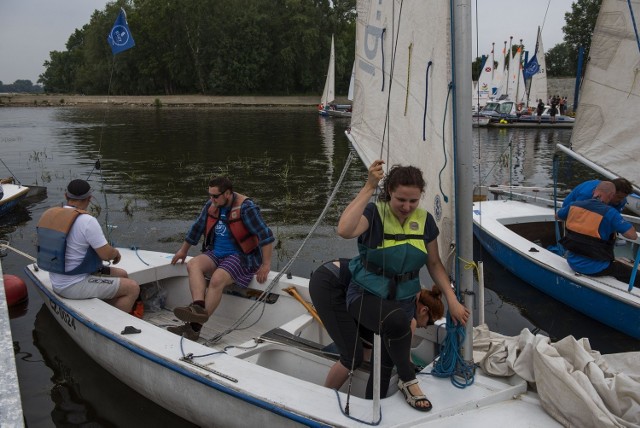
<point x="531" y="68"/>
<point x="120" y="38"/>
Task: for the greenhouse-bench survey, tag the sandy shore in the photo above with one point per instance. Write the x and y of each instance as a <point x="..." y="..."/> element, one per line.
<point x="158" y="100"/>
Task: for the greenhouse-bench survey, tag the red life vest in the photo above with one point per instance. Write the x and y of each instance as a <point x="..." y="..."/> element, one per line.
<point x="247" y="241"/>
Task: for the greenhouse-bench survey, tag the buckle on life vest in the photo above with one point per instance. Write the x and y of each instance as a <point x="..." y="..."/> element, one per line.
<point x="394" y="280"/>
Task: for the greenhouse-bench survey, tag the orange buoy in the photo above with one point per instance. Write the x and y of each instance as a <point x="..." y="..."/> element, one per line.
<point x="15" y="290"/>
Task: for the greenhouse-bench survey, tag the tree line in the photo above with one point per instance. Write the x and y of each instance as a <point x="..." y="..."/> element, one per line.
<point x="212" y="47"/>
<point x="23" y="86"/>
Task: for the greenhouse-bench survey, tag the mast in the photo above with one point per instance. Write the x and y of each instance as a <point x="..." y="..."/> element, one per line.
<point x="510" y="61"/>
<point x="461" y="16"/>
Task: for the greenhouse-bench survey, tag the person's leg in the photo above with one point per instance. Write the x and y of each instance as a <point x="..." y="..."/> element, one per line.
<point x="387" y="318"/>
<point x="337" y="376"/>
<point x="196" y="312"/>
<point x="219" y="280"/>
<point x="127" y="293"/>
<point x="328" y="298"/>
<point x="197" y="268"/>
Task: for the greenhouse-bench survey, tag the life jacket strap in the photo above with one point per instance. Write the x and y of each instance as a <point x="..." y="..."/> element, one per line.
<point x="402" y="236"/>
<point x="394" y="280"/>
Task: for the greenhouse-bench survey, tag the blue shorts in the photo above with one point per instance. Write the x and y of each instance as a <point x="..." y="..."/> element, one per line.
<point x="233" y="265"/>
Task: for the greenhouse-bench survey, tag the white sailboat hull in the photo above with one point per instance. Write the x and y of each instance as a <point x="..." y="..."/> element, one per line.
<point x="272" y="383"/>
<point x="517" y="235"/>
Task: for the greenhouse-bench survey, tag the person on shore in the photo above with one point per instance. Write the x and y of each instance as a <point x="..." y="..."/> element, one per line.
<point x="591" y="227"/>
<point x="327" y="287"/>
<point x="237" y="245"/>
<point x="540" y="109"/>
<point x="553" y="111"/>
<point x="80" y="274"/>
<point x="585" y="191"/>
<point x="395" y="239"/>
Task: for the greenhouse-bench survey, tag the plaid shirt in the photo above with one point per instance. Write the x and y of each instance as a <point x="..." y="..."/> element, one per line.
<point x="250" y="215"/>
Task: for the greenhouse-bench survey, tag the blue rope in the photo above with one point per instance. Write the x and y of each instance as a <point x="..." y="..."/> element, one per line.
<point x="635" y="27"/>
<point x="426" y="99"/>
<point x="450" y="363"/>
<point x="134" y="248"/>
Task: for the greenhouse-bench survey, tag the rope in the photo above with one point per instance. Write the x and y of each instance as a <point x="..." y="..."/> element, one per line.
<point x="406" y="93"/>
<point x="8" y="247"/>
<point x="450" y="363"/>
<point x="262" y="298"/>
<point x="14" y="177"/>
<point x="635" y="27"/>
<point x="426" y="99"/>
<point x="444" y="150"/>
<point x="376" y="423"/>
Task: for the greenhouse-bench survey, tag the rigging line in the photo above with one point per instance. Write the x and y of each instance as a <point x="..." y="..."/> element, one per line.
<point x="545" y="18"/>
<point x="444" y="150"/>
<point x="375" y="423"/>
<point x="14" y="177"/>
<point x="395" y="33"/>
<point x="261" y="300"/>
<point x="97" y="165"/>
<point x="633" y="20"/>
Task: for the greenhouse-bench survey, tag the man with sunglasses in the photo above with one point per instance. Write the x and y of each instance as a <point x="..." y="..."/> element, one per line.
<point x="237" y="245"/>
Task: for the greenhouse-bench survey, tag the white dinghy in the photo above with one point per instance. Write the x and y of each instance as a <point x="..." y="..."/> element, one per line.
<point x="262" y="358"/>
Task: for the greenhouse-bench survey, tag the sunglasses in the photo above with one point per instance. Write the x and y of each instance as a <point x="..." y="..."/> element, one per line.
<point x="215" y="196"/>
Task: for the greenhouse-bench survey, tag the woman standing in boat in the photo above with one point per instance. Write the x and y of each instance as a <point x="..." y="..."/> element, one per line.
<point x="395" y="239"/>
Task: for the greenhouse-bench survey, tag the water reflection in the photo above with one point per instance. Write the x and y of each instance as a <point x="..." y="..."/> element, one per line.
<point x="155" y="164"/>
<point x="83" y="392"/>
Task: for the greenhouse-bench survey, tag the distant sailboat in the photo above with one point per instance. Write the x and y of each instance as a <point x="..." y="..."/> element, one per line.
<point x="538" y="85"/>
<point x="329" y="92"/>
<point x="327" y="107"/>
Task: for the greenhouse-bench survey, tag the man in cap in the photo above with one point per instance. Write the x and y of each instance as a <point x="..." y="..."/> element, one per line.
<point x="72" y="247"/>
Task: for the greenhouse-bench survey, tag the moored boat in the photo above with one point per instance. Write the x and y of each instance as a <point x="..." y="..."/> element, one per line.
<point x="12" y="195"/>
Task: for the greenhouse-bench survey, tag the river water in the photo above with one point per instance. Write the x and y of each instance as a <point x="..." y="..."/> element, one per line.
<point x="151" y="183"/>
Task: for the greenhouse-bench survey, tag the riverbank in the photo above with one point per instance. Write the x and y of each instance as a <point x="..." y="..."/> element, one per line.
<point x="44" y="100"/>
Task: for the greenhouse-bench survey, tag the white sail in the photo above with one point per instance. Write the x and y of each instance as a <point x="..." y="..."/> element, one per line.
<point x="329" y="92"/>
<point x="515" y="91"/>
<point x="538" y="88"/>
<point x="499" y="73"/>
<point x="352" y="82"/>
<point x="482" y="90"/>
<point x="607" y="126"/>
<point x="403" y="71"/>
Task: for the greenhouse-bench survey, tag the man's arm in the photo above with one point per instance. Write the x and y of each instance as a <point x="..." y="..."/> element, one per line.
<point x="109" y="253"/>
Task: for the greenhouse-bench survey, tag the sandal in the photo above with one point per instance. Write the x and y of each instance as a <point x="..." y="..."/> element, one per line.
<point x="413" y="399"/>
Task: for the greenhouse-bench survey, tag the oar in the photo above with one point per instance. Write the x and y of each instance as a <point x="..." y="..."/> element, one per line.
<point x="294" y="293"/>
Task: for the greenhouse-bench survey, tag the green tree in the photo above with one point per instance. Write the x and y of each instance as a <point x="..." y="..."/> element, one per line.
<point x="578" y="30"/>
<point x="558" y="61"/>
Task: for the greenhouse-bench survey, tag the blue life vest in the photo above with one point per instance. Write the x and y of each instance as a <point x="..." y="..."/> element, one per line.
<point x="52" y="231"/>
<point x="391" y="271"/>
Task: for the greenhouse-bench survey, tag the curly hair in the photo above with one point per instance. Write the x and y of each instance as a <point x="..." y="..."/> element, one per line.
<point x="400" y="175"/>
<point x="432" y="299"/>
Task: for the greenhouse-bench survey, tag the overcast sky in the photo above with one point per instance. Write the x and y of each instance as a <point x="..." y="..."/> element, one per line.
<point x="30" y="29"/>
